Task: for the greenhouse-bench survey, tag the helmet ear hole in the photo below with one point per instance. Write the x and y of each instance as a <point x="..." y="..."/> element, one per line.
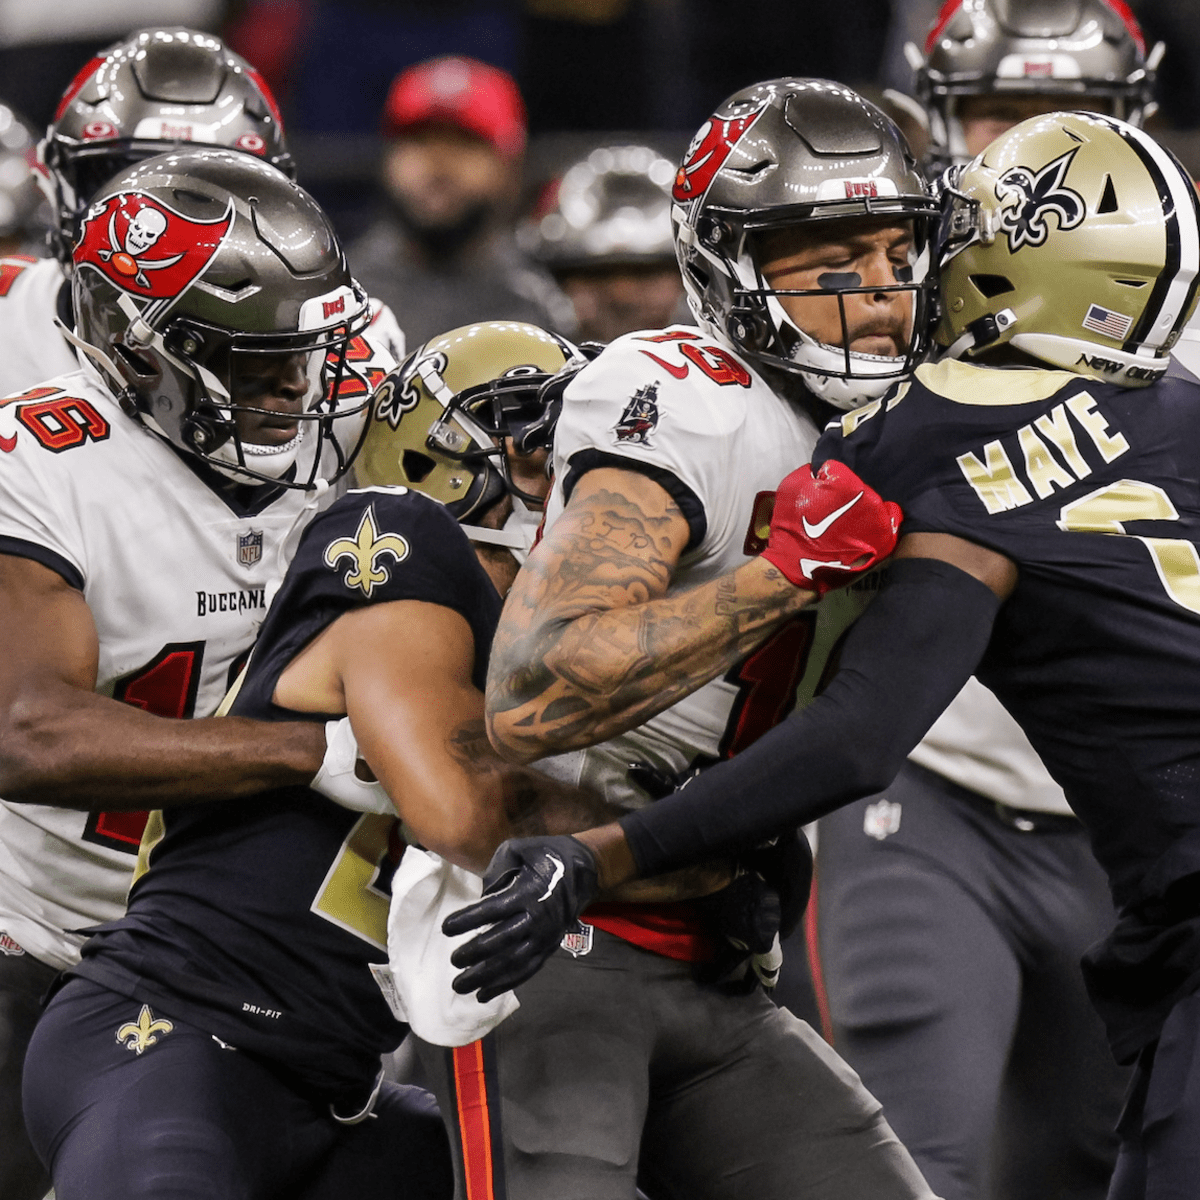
<point x="992" y="285"/>
<point x="416" y="466"/>
<point x="135" y="368"/>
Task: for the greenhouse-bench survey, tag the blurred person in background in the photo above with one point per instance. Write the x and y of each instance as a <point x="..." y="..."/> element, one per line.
<point x="441" y="251"/>
<point x="954" y="909"/>
<point x="605" y="236"/>
<point x="24" y="214"/>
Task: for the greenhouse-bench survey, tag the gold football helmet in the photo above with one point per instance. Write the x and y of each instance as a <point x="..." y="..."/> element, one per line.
<point x="445" y="422"/>
<point x="1074" y="238"/>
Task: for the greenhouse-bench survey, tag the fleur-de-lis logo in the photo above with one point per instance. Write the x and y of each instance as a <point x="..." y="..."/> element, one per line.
<point x="398" y="394"/>
<point x="143" y="1033"/>
<point x="364" y="551"/>
<point x="1027" y="198"/>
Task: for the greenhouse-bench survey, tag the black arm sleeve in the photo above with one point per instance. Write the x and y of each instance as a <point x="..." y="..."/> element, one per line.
<point x="902" y="664"/>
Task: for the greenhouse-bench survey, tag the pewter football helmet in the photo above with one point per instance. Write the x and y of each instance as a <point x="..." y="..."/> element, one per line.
<point x="157" y="88"/>
<point x="611" y="209"/>
<point x="1061" y="48"/>
<point x="1074" y="238"/>
<point x="781" y="153"/>
<point x="189" y="263"/>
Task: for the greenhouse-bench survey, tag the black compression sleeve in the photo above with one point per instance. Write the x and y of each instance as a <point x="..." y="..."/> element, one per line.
<point x="901" y="665"/>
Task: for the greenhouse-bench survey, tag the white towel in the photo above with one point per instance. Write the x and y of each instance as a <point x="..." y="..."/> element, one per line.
<point x="416" y="983"/>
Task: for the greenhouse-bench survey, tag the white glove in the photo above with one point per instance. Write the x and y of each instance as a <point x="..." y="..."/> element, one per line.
<point x="336" y="778"/>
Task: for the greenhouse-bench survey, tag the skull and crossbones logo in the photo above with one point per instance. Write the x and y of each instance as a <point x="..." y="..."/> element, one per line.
<point x="145" y="228"/>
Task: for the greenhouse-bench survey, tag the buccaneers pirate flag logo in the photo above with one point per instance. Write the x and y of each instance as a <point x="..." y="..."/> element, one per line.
<point x="711" y="146"/>
<point x="146" y="248"/>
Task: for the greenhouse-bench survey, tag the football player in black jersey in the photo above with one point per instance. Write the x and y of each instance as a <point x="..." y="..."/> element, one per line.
<point x="1048" y="472"/>
<point x="953" y="910"/>
<point x="225" y="1035"/>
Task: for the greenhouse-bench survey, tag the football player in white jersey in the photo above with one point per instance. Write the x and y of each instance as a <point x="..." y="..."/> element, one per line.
<point x="157" y="88"/>
<point x="963" y="1011"/>
<point x="151" y="501"/>
<point x="646" y="637"/>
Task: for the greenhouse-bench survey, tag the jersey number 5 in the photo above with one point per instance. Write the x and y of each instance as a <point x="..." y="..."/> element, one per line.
<point x="1108" y="508"/>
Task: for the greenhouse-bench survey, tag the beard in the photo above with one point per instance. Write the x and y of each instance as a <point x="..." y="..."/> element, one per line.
<point x="443" y="239"/>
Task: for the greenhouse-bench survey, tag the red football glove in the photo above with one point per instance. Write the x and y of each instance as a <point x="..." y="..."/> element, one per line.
<point x="828" y="527"/>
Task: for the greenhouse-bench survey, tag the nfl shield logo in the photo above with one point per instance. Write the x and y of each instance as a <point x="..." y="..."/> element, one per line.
<point x="249" y="547"/>
<point x="578" y="941"/>
<point x="881" y="819"/>
<point x="9" y="945"/>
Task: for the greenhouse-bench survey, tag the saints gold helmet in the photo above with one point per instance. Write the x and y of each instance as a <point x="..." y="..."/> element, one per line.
<point x="444" y="422"/>
<point x="1075" y="239"/>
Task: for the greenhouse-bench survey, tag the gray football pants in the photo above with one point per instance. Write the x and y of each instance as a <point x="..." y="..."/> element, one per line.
<point x="950" y="950"/>
<point x="618" y="1068"/>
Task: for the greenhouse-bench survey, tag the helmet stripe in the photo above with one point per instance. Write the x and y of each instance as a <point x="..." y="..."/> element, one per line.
<point x="1180" y="276"/>
<point x="943" y="19"/>
<point x="1126" y="14"/>
<point x="76" y="85"/>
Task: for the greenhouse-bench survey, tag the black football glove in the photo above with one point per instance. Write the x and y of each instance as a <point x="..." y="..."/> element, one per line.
<point x="534" y="890"/>
<point x="786" y="864"/>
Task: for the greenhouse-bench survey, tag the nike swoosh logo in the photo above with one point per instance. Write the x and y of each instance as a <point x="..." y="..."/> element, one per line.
<point x="678" y="372"/>
<point x="8" y="444"/>
<point x="815" y="531"/>
<point x="808" y="565"/>
<point x="559" y="872"/>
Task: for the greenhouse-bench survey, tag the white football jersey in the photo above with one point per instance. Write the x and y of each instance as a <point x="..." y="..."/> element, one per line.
<point x="177" y="582"/>
<point x="31" y="346"/>
<point x="696" y="417"/>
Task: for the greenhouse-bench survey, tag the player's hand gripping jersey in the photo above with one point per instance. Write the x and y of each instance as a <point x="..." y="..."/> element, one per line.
<point x="178" y="578"/>
<point x="1092" y="490"/>
<point x="260" y="920"/>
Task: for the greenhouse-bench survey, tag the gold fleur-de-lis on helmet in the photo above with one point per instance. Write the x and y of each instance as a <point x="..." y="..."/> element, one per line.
<point x="364" y="552"/>
<point x="143" y="1033"/>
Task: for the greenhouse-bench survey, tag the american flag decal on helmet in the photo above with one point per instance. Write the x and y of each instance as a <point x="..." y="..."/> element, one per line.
<point x="1111" y="324"/>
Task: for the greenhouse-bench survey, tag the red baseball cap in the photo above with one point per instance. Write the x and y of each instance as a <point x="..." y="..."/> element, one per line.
<point x="458" y="91"/>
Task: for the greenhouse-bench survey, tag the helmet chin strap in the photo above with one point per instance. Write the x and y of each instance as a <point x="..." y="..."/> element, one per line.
<point x="94" y="353"/>
<point x="518" y="533"/>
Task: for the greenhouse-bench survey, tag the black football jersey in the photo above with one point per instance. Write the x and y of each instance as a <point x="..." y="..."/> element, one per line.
<point x="259" y="919"/>
<point x="1094" y="492"/>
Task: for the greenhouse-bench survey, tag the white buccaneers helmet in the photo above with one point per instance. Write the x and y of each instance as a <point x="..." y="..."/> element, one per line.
<point x="1074" y="238"/>
<point x="778" y="154"/>
<point x="1067" y="49"/>
<point x="196" y="263"/>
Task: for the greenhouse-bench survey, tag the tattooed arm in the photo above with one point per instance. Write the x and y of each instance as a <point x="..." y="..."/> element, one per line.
<point x="402" y="671"/>
<point x="591" y="643"/>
